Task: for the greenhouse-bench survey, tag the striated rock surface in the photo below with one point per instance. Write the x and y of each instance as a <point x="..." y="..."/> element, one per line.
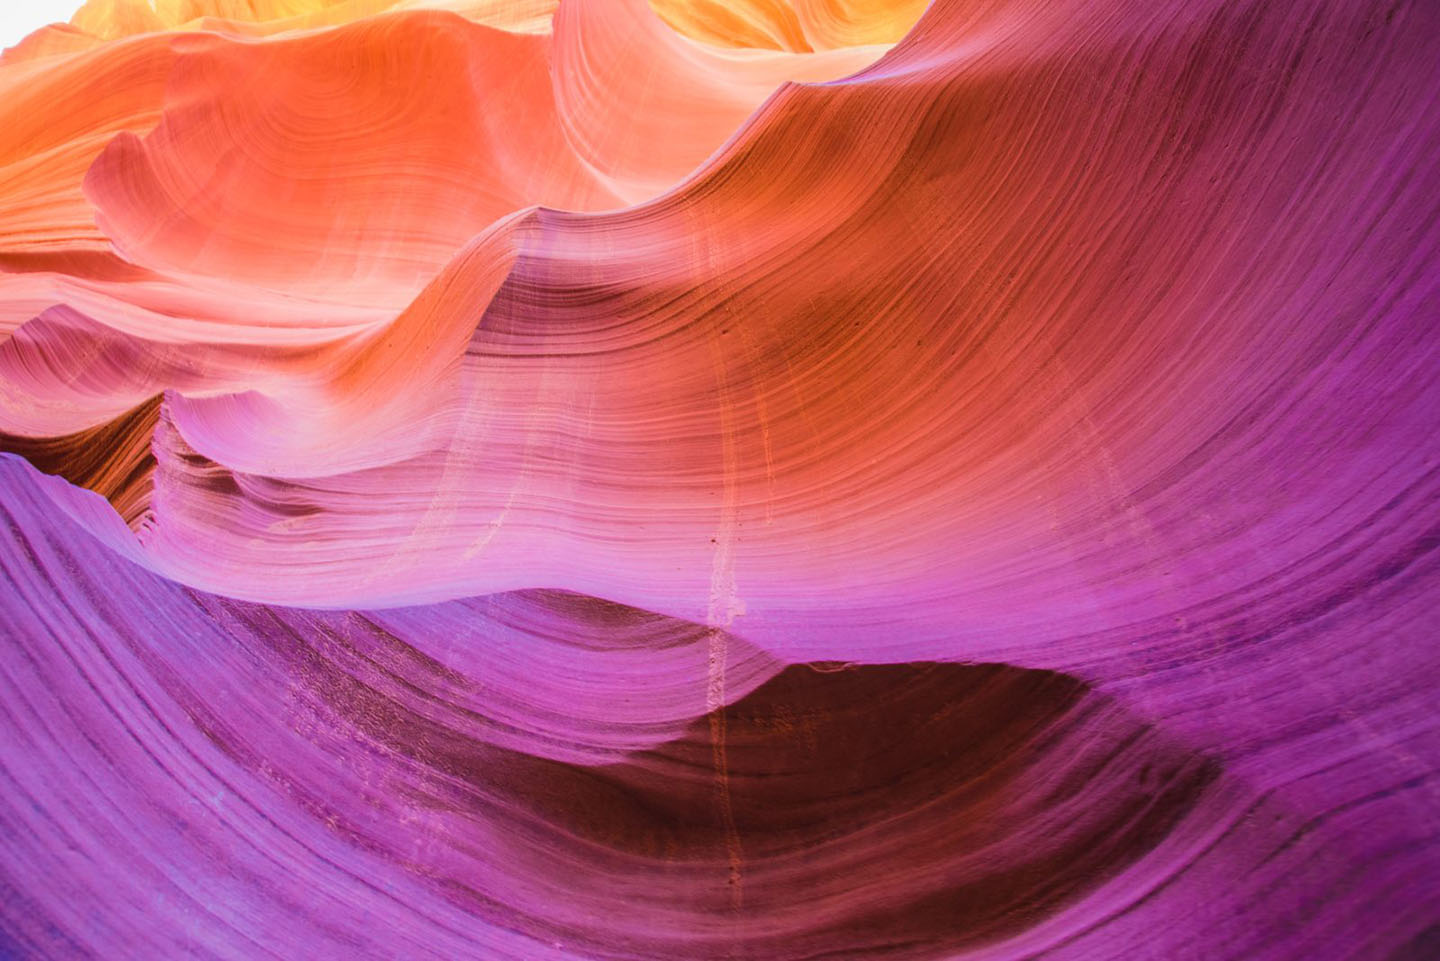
<point x="697" y="480"/>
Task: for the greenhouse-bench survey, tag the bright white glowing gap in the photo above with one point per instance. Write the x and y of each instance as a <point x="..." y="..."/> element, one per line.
<point x="19" y="18"/>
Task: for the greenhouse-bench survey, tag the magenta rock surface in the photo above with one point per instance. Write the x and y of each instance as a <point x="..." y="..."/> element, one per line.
<point x="767" y="481"/>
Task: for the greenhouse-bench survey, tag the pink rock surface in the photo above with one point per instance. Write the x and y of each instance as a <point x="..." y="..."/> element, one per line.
<point x="762" y="480"/>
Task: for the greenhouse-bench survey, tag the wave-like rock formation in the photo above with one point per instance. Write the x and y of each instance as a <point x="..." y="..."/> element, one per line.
<point x="781" y="479"/>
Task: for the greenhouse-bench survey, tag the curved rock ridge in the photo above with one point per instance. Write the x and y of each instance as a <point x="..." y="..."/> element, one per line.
<point x="487" y="756"/>
<point x="776" y="479"/>
<point x="541" y="774"/>
<point x="756" y="363"/>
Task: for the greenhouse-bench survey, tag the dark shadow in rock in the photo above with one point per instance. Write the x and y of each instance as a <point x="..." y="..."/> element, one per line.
<point x="835" y="810"/>
<point x="112" y="459"/>
<point x="898" y="810"/>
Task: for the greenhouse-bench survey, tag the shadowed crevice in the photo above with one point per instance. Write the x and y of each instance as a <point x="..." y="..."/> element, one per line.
<point x="113" y="459"/>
